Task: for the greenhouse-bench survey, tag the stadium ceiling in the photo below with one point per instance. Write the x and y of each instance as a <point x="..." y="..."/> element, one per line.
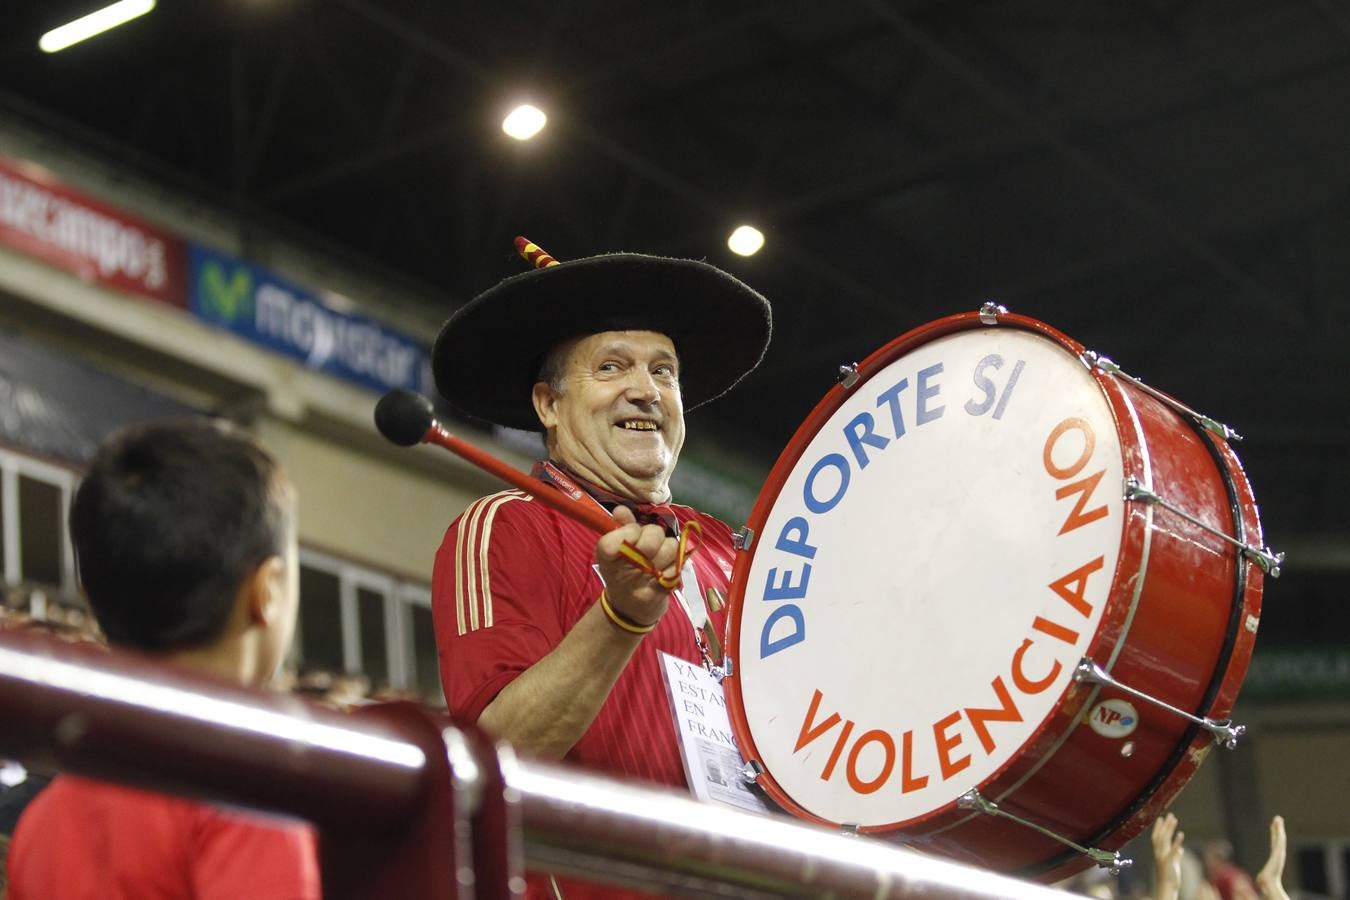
<point x="1167" y="181"/>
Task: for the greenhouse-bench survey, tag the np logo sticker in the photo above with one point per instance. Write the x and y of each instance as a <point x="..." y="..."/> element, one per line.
<point x="1114" y="718"/>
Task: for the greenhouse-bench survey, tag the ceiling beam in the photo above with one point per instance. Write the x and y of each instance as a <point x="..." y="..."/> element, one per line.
<point x="1251" y="291"/>
<point x="387" y="153"/>
<point x="1335" y="16"/>
<point x="420" y="38"/>
<point x="977" y="155"/>
<point x="1238" y="96"/>
<point x="265" y="126"/>
<point x="611" y="149"/>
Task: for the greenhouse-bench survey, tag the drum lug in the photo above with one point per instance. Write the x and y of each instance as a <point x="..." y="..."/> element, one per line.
<point x="1094" y="360"/>
<point x="724" y="671"/>
<point x="1269" y="560"/>
<point x="990" y="311"/>
<point x="751" y="771"/>
<point x="1223" y="731"/>
<point x="848" y="375"/>
<point x="742" y="538"/>
<point x="1135" y="490"/>
<point x="1111" y="860"/>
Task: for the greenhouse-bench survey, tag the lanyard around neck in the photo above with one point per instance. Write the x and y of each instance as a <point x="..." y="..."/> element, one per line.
<point x="705" y="635"/>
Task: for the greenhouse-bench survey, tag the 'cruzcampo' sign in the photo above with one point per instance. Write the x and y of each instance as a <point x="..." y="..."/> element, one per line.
<point x="42" y="217"/>
<point x="262" y="308"/>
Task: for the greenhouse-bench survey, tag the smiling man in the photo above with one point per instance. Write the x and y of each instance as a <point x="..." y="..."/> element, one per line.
<point x="548" y="634"/>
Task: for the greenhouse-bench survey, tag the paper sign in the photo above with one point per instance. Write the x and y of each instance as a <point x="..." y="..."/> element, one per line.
<point x="712" y="762"/>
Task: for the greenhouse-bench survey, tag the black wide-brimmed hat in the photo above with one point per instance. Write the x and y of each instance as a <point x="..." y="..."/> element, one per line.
<point x="486" y="359"/>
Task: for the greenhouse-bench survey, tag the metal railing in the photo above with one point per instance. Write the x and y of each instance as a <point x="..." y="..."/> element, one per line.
<point x="411" y="806"/>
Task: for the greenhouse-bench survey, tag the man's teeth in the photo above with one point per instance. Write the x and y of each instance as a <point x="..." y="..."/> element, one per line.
<point x="638" y="425"/>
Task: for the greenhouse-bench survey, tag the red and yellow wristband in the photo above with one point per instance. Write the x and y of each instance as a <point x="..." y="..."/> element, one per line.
<point x="623" y="621"/>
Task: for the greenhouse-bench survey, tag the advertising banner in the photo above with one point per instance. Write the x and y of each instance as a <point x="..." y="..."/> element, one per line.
<point x="262" y="308"/>
<point x="43" y="218"/>
<point x="1298" y="673"/>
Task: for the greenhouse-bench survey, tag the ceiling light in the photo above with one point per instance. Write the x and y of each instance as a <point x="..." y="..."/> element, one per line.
<point x="96" y="22"/>
<point x="746" y="240"/>
<point x="524" y="122"/>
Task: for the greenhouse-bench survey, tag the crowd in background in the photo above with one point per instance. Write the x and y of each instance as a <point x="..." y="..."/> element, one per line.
<point x="1180" y="873"/>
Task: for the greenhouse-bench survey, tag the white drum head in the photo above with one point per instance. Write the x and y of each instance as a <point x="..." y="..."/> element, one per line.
<point x="962" y="534"/>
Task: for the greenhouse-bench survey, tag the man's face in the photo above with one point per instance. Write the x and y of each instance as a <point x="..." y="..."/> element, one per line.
<point x="619" y="420"/>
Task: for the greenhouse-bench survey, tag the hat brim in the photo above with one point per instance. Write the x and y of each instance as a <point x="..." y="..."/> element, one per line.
<point x="486" y="359"/>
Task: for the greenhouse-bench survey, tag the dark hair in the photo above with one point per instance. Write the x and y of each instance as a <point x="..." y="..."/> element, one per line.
<point x="168" y="522"/>
<point x="553" y="367"/>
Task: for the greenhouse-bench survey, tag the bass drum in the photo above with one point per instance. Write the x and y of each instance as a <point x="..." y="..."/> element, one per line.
<point x="998" y="603"/>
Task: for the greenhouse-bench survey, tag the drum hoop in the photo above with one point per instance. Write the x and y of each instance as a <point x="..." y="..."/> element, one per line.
<point x="773" y="486"/>
<point x="1224" y="675"/>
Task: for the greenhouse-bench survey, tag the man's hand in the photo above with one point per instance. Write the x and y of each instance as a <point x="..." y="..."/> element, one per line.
<point x="549" y="706"/>
<point x="1270" y="878"/>
<point x="634" y="594"/>
<point x="1167" y="850"/>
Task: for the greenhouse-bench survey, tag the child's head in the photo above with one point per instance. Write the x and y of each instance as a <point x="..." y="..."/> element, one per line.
<point x="182" y="528"/>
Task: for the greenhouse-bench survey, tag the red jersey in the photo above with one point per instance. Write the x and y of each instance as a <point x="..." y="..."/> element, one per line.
<point x="92" y="840"/>
<point x="512" y="578"/>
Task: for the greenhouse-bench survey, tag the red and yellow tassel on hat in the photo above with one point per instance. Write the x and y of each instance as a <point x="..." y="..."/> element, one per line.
<point x="534" y="254"/>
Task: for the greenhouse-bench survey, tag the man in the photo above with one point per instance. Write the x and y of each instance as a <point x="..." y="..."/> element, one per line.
<point x="549" y="636"/>
<point x="185" y="538"/>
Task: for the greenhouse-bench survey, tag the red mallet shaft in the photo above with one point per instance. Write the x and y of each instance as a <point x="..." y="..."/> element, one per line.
<point x="406" y="419"/>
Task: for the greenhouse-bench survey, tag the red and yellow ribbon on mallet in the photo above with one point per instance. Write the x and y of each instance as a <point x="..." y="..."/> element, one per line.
<point x="686" y="549"/>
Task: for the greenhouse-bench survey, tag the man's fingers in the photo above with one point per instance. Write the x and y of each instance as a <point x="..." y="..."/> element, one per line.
<point x="607" y="547"/>
<point x="650" y="540"/>
<point x="1273" y="870"/>
<point x="1164" y="826"/>
<point x="666" y="558"/>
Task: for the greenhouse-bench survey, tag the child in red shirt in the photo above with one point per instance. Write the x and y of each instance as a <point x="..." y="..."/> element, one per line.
<point x="185" y="538"/>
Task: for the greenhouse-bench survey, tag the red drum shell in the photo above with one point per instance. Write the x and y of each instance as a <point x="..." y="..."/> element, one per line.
<point x="1187" y="638"/>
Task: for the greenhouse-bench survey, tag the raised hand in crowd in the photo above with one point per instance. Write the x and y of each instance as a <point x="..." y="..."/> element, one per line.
<point x="1269" y="879"/>
<point x="1167" y="851"/>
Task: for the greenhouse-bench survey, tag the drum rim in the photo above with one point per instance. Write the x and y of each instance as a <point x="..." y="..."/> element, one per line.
<point x="1221" y="691"/>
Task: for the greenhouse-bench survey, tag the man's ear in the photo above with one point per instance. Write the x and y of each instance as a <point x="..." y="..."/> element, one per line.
<point x="545" y="404"/>
<point x="264" y="591"/>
